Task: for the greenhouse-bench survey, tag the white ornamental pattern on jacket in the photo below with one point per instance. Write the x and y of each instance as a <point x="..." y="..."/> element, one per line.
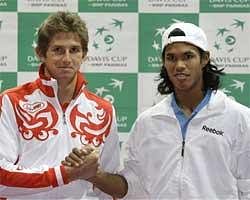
<point x="91" y="122"/>
<point x="36" y="119"/>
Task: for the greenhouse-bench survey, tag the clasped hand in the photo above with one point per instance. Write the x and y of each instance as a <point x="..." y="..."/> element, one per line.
<point x="82" y="163"/>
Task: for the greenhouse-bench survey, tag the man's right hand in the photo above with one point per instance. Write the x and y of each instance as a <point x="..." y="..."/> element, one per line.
<point x="81" y="163"/>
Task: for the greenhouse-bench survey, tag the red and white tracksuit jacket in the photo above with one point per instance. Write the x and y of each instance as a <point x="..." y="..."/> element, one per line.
<point x="36" y="134"/>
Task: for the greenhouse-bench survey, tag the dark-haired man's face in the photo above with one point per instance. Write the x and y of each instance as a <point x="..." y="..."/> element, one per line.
<point x="184" y="67"/>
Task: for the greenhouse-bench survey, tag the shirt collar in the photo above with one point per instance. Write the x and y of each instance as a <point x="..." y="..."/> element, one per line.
<point x="202" y="104"/>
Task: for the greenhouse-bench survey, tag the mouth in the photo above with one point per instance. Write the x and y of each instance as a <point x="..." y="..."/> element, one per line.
<point x="65" y="67"/>
<point x="181" y="76"/>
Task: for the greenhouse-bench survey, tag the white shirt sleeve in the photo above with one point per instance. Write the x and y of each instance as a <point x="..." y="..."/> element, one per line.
<point x="110" y="155"/>
<point x="241" y="157"/>
<point x="133" y="166"/>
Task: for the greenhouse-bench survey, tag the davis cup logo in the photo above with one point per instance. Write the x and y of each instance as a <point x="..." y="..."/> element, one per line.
<point x="105" y="91"/>
<point x="34" y="44"/>
<point x="156" y="44"/>
<point x="226" y="36"/>
<point x="106" y="36"/>
<point x="234" y="85"/>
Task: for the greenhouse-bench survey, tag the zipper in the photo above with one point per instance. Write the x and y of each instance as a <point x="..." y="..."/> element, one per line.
<point x="182" y="160"/>
<point x="183" y="148"/>
<point x="64" y="118"/>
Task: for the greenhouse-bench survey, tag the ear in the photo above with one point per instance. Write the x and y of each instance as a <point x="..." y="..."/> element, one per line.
<point x="39" y="54"/>
<point x="205" y="58"/>
<point x="84" y="56"/>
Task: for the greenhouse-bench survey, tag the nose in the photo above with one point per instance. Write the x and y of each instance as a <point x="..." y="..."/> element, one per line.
<point x="180" y="65"/>
<point x="66" y="56"/>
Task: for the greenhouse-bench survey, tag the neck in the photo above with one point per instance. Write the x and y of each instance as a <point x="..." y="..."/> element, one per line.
<point x="66" y="90"/>
<point x="189" y="101"/>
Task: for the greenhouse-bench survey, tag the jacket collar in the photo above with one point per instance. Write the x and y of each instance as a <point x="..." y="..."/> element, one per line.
<point x="49" y="86"/>
<point x="216" y="104"/>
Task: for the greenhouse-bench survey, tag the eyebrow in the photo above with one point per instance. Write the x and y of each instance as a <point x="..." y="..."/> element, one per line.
<point x="58" y="45"/>
<point x="185" y="52"/>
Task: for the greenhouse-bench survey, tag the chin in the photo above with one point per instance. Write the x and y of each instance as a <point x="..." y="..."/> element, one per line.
<point x="64" y="77"/>
<point x="182" y="89"/>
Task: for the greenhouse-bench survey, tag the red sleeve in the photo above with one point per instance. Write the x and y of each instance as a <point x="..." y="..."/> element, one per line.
<point x="24" y="179"/>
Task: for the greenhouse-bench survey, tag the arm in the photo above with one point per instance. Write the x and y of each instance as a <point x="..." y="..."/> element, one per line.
<point x="113" y="184"/>
<point x="129" y="182"/>
<point x="14" y="179"/>
<point x="133" y="165"/>
<point x="241" y="157"/>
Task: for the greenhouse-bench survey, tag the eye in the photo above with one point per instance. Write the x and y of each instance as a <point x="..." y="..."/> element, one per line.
<point x="169" y="58"/>
<point x="75" y="49"/>
<point x="188" y="56"/>
<point x="57" y="50"/>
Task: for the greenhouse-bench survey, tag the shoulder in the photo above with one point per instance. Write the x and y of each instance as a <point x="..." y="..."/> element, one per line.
<point x="240" y="111"/>
<point x="232" y="107"/>
<point x="20" y="90"/>
<point x="13" y="95"/>
<point x="162" y="108"/>
<point x="97" y="100"/>
<point x="239" y="115"/>
<point x="235" y="106"/>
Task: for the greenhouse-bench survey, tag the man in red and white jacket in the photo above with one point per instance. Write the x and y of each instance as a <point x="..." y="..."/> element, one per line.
<point x="42" y="121"/>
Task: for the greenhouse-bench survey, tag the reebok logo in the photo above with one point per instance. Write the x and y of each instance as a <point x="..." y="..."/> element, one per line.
<point x="212" y="130"/>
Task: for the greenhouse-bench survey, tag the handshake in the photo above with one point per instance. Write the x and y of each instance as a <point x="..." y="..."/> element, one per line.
<point x="82" y="163"/>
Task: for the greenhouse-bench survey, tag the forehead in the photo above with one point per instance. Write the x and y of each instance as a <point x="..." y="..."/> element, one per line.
<point x="181" y="47"/>
<point x="65" y="38"/>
